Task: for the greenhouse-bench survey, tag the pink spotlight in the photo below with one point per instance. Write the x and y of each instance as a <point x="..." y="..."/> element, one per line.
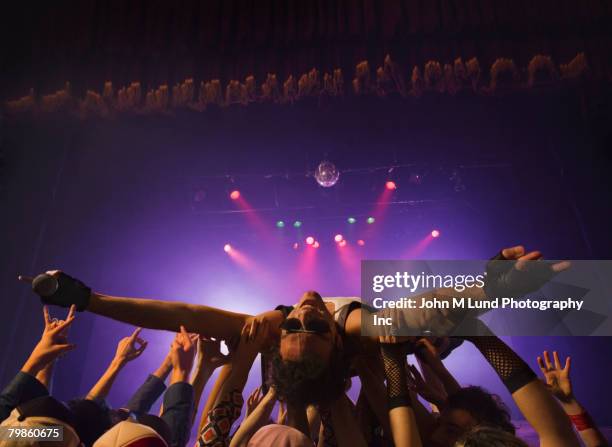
<point x="310" y="240"/>
<point x="338" y="238"/>
<point x="316" y="244"/>
<point x="235" y="194"/>
<point x="361" y="242"/>
<point x="390" y="185"/>
<point x="296" y="245"/>
<point x="342" y="243"/>
<point x="435" y="233"/>
<point x="227" y="248"/>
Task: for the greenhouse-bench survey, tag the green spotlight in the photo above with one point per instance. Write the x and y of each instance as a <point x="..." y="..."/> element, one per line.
<point x="351" y="220"/>
<point x="280" y="224"/>
<point x="371" y="220"/>
<point x="297" y="223"/>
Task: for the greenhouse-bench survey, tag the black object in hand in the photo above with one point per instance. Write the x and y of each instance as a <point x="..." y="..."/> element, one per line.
<point x="62" y="290"/>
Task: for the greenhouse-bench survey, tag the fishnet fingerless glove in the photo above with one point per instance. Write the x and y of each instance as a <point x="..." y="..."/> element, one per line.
<point x="394" y="361"/>
<point x="512" y="370"/>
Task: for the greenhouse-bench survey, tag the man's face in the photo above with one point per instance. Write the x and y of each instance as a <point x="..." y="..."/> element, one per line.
<point x="293" y="346"/>
<point x="452" y="424"/>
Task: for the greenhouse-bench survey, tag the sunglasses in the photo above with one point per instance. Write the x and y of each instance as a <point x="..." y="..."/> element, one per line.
<point x="294" y="325"/>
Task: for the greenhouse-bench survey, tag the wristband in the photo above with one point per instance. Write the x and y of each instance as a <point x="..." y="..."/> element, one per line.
<point x="582" y="421"/>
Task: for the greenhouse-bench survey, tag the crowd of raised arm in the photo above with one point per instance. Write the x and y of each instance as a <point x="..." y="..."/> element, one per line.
<point x="390" y="408"/>
<point x="310" y="354"/>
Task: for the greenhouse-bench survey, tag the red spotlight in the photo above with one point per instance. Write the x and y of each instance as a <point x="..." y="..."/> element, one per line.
<point x="361" y="242"/>
<point x="342" y="243"/>
<point x="316" y="244"/>
<point x="235" y="194"/>
<point x="435" y="233"/>
<point x="227" y="248"/>
<point x="310" y="240"/>
<point x="390" y="185"/>
<point x="338" y="238"/>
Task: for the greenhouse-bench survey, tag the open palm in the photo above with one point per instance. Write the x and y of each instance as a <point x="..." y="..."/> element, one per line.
<point x="557" y="378"/>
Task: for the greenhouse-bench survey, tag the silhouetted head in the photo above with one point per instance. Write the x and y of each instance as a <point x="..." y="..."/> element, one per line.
<point x="470" y="407"/>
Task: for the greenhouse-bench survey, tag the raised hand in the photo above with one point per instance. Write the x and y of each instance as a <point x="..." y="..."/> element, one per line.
<point x="130" y="348"/>
<point x="521" y="276"/>
<point x="53" y="342"/>
<point x="182" y="353"/>
<point x="417" y="383"/>
<point x="557" y="378"/>
<point x="254" y="400"/>
<point x="255" y="334"/>
<point x="209" y="353"/>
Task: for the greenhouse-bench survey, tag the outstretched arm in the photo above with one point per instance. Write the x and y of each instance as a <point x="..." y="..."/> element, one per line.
<point x="126" y="352"/>
<point x="169" y="315"/>
<point x="145" y="313"/>
<point x="559" y="384"/>
<point x="531" y="396"/>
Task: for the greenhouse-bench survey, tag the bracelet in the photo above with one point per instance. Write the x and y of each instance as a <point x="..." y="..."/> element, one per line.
<point x="582" y="421"/>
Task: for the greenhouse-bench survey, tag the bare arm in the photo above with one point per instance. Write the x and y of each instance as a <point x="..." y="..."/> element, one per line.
<point x="559" y="384"/>
<point x="212" y="396"/>
<point x="126" y="352"/>
<point x="209" y="358"/>
<point x="531" y="396"/>
<point x="427" y="355"/>
<point x="45" y="376"/>
<point x="169" y="315"/>
<point x="254" y="421"/>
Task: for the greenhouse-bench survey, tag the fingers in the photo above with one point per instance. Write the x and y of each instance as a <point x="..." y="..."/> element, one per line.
<point x="568" y="364"/>
<point x="522" y="262"/>
<point x="561" y="266"/>
<point x="63" y="325"/>
<point x="46" y="316"/>
<point x="140" y="350"/>
<point x="556" y="360"/>
<point x="71" y="312"/>
<point x="513" y="252"/>
<point x="254" y="328"/>
<point x="541" y="365"/>
<point x="184" y="333"/>
<point x="547" y="361"/>
<point x="531" y="256"/>
<point x="135" y="334"/>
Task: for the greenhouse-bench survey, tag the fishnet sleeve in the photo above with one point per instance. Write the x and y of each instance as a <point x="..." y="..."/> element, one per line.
<point x="512" y="370"/>
<point x="394" y="361"/>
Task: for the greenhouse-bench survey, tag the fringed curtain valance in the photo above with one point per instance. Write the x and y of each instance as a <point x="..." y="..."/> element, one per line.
<point x="387" y="79"/>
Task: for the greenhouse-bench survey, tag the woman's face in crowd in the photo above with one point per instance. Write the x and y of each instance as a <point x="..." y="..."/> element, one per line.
<point x="293" y="346"/>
